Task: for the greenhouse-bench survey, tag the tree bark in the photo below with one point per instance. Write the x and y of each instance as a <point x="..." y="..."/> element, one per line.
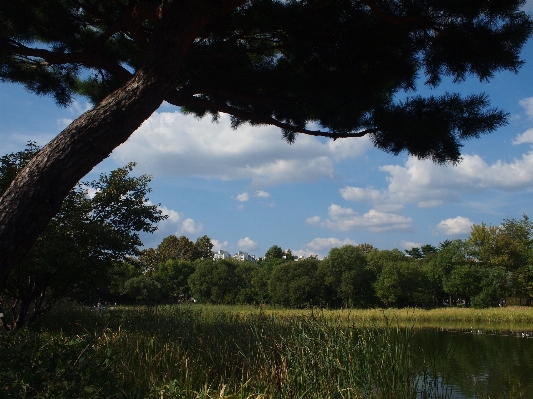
<point x="38" y="191"/>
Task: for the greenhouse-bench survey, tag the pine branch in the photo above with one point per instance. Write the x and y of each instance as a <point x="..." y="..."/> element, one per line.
<point x="52" y="57"/>
<point x="178" y="99"/>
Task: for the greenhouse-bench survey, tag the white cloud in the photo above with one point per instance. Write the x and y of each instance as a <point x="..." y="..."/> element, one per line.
<point x="428" y="185"/>
<point x="247" y="244"/>
<point x="357" y="194"/>
<point x="455" y="226"/>
<point x="526" y="137"/>
<point x="243" y="197"/>
<point x="189" y="226"/>
<point x="313" y="221"/>
<point x="527" y="104"/>
<point x="346" y="219"/>
<point x="240" y="207"/>
<point x="319" y="244"/>
<point x="410" y="244"/>
<point x="176" y="144"/>
<point x="177" y="222"/>
<point x="261" y="194"/>
<point x="217" y="245"/>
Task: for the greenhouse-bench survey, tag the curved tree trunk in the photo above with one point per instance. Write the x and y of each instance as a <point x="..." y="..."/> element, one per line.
<point x="36" y="194"/>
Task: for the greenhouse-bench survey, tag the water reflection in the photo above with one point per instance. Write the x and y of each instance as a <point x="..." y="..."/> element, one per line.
<point x="478" y="363"/>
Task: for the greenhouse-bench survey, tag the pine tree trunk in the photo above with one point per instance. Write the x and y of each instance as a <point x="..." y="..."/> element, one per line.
<point x="36" y="194"/>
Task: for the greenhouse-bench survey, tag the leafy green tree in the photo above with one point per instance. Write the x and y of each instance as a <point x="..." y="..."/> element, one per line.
<point x="508" y="245"/>
<point x="464" y="281"/>
<point x="215" y="282"/>
<point x="295" y="283"/>
<point x="143" y="289"/>
<point x="524" y="282"/>
<point x="402" y="283"/>
<point x="377" y="259"/>
<point x="274" y="252"/>
<point x="172" y="276"/>
<point x="346" y="279"/>
<point x="342" y="65"/>
<point x="81" y="243"/>
<point x="496" y="284"/>
<point x="414" y="253"/>
<point x="203" y="248"/>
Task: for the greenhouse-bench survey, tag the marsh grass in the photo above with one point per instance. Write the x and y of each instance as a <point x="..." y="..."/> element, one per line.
<point x="254" y="353"/>
<point x="205" y="352"/>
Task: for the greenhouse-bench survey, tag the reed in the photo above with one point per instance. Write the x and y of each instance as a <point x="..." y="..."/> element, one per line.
<point x="207" y="352"/>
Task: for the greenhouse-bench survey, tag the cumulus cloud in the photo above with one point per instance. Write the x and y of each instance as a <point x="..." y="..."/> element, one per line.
<point x="527" y="104"/>
<point x="243" y="197"/>
<point x="357" y="194"/>
<point x="262" y="194"/>
<point x="247" y="244"/>
<point x="526" y="137"/>
<point x="319" y="244"/>
<point x="429" y="185"/>
<point x="346" y="219"/>
<point x="217" y="245"/>
<point x="410" y="244"/>
<point x="455" y="226"/>
<point x="179" y="223"/>
<point x="170" y="143"/>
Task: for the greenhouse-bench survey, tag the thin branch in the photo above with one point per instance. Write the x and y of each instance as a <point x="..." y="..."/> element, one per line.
<point x="176" y="98"/>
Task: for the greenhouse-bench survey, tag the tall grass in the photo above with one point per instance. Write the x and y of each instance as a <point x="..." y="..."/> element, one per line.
<point x="186" y="352"/>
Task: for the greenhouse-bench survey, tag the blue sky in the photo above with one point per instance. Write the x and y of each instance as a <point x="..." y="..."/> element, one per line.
<point x="248" y="189"/>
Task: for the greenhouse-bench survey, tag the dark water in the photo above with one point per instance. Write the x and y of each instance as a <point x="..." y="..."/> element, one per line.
<point x="480" y="364"/>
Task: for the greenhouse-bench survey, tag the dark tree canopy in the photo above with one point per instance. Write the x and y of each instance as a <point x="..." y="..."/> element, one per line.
<point x="342" y="65"/>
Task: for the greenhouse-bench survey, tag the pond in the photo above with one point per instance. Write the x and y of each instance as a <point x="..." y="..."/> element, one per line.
<point x="480" y="363"/>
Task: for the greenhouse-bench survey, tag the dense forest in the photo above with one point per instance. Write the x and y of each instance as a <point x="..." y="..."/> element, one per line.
<point x="489" y="268"/>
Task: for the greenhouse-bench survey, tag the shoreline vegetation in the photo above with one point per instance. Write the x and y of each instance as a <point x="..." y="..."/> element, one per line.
<point x="446" y="317"/>
<point x="247" y="352"/>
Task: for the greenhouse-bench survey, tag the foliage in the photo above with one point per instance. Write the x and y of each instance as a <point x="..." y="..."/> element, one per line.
<point x="274" y="252"/>
<point x="175" y="248"/>
<point x="55" y="366"/>
<point x="215" y="282"/>
<point x="358" y="54"/>
<point x="182" y="351"/>
<point x="346" y="279"/>
<point x="295" y="283"/>
<point x="402" y="284"/>
<point x="172" y="276"/>
<point x="83" y="241"/>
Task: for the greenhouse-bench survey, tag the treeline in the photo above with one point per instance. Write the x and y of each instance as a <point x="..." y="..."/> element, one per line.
<point x="489" y="268"/>
<point x="90" y="253"/>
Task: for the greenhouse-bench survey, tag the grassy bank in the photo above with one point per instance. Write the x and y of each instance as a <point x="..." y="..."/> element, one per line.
<point x="198" y="352"/>
<point x="225" y="352"/>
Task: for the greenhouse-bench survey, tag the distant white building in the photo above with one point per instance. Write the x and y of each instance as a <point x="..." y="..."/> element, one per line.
<point x="221" y="254"/>
<point x="242" y="256"/>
